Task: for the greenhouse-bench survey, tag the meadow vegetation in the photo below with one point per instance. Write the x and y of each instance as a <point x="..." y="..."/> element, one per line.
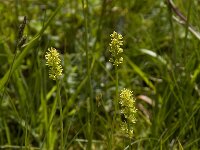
<point x="100" y="74"/>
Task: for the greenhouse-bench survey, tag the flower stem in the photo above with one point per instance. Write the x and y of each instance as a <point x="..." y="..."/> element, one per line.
<point x="61" y="113"/>
<point x="116" y="91"/>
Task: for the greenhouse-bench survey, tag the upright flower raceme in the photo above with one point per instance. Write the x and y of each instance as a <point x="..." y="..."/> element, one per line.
<point x="115" y="48"/>
<point x="53" y="61"/>
<point x="127" y="102"/>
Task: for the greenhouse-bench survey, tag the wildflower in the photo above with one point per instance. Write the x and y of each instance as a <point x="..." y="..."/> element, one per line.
<point x="53" y="61"/>
<point x="127" y="102"/>
<point x="115" y="48"/>
<point x="127" y="128"/>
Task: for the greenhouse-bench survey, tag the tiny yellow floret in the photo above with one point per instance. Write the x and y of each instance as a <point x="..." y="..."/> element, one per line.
<point x="53" y="61"/>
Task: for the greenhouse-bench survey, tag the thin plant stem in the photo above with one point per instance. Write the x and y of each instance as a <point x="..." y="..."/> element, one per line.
<point x="116" y="91"/>
<point x="90" y="116"/>
<point x="61" y="113"/>
<point x="116" y="107"/>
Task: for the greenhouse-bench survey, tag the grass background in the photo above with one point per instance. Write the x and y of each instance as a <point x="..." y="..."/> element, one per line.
<point x="161" y="66"/>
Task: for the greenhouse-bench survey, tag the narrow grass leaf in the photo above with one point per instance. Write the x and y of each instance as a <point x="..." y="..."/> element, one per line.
<point x="141" y="74"/>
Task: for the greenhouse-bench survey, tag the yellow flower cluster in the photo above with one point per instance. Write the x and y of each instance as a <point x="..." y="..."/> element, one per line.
<point x="53" y="61"/>
<point x="127" y="102"/>
<point x="115" y="48"/>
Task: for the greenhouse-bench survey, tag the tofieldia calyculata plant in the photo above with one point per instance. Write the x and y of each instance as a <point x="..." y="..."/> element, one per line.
<point x="127" y="102"/>
<point x="53" y="61"/>
<point x="115" y="48"/>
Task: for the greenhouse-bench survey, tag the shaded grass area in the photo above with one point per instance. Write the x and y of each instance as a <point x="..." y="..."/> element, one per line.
<point x="161" y="65"/>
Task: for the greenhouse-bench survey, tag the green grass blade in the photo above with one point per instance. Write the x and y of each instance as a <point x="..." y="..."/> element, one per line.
<point x="141" y="74"/>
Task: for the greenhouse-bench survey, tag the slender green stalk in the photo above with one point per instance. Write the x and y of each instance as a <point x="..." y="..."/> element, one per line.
<point x="61" y="113"/>
<point x="116" y="108"/>
<point x="111" y="142"/>
<point x="116" y="91"/>
<point x="90" y="115"/>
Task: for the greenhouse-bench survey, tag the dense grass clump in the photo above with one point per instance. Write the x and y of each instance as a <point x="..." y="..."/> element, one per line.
<point x="125" y="74"/>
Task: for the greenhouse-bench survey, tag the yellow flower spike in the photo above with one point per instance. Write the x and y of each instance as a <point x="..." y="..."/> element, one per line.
<point x="115" y="48"/>
<point x="53" y="61"/>
<point x="127" y="102"/>
<point x="127" y="129"/>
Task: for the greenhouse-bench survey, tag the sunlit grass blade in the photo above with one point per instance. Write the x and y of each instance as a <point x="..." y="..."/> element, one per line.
<point x="154" y="55"/>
